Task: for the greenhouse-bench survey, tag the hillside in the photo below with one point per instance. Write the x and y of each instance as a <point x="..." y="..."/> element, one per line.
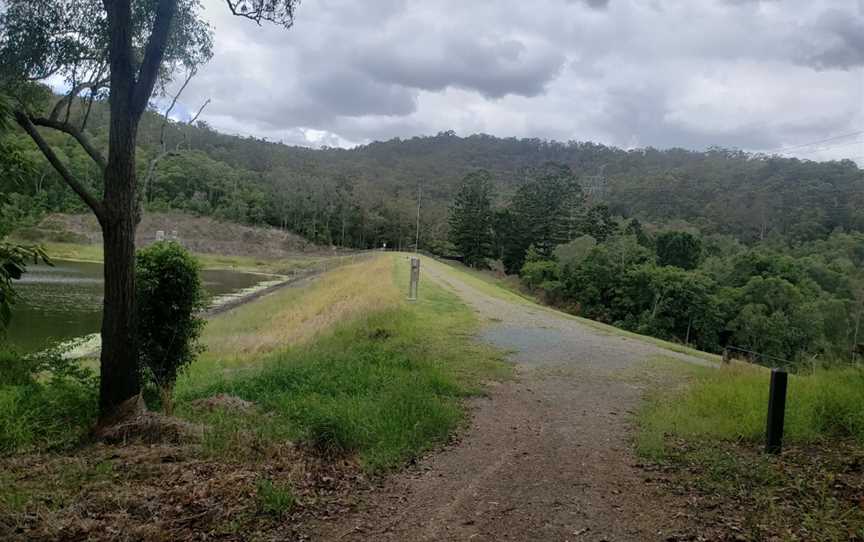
<point x="199" y="234"/>
<point x="368" y="195"/>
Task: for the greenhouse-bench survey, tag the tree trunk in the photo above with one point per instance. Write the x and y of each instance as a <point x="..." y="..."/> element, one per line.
<point x="120" y="380"/>
<point x="119" y="359"/>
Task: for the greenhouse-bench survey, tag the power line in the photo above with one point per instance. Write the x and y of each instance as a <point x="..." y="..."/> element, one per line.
<point x="783" y="150"/>
<point x="828" y="147"/>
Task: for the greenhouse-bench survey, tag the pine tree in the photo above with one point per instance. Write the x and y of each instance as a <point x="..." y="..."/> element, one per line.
<point x="545" y="209"/>
<point x="471" y="218"/>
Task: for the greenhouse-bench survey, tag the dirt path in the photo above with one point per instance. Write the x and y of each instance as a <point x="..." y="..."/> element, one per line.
<point x="547" y="457"/>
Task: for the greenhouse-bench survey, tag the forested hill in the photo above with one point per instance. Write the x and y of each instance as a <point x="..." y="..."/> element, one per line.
<point x="368" y="195"/>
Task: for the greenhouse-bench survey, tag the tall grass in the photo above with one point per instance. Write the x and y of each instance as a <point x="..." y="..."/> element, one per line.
<point x="731" y="404"/>
<point x="42" y="409"/>
<point x="384" y="385"/>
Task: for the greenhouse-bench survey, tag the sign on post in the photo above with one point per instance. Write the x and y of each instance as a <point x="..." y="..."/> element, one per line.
<point x="415" y="278"/>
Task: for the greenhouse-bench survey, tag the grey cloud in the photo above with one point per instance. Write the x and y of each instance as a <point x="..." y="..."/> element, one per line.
<point x="659" y="73"/>
<point x="640" y="117"/>
<point x="493" y="67"/>
<point x="596" y="4"/>
<point x="351" y="94"/>
<point x="843" y="38"/>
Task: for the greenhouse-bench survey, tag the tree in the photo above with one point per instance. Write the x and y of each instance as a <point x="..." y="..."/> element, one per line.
<point x="679" y="249"/>
<point x="545" y="210"/>
<point x="471" y="218"/>
<point x="122" y="50"/>
<point x="634" y="227"/>
<point x="599" y="223"/>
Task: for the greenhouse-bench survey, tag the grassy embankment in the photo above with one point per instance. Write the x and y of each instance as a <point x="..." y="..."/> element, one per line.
<point x="709" y="427"/>
<point x="345" y="365"/>
<point x="344" y="376"/>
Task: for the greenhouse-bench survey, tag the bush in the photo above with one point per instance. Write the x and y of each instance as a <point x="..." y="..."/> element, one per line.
<point x="535" y="273"/>
<point x="170" y="297"/>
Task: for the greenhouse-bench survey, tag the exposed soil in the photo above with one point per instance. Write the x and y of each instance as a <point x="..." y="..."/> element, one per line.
<point x="547" y="457"/>
<point x="199" y="234"/>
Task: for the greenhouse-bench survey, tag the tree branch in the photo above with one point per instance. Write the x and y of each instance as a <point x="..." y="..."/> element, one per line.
<point x="153" y="55"/>
<point x="200" y="110"/>
<point x="24" y="121"/>
<point x="76" y="90"/>
<point x="77" y="134"/>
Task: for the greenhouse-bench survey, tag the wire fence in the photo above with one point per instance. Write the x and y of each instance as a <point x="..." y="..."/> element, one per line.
<point x="752" y="356"/>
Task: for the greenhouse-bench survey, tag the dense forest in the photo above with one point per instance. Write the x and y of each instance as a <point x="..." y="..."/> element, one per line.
<point x="785" y="298"/>
<point x="712" y="248"/>
<point x="368" y="195"/>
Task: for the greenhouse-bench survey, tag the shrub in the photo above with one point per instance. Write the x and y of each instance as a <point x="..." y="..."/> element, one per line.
<point x="170" y="297"/>
<point x="535" y="273"/>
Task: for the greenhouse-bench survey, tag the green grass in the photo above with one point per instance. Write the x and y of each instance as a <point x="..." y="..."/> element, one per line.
<point x="709" y="425"/>
<point x="274" y="498"/>
<point x="50" y="415"/>
<point x="384" y="386"/>
<point x="731" y="403"/>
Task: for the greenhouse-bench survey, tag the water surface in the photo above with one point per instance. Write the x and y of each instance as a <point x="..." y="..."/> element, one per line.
<point x="65" y="301"/>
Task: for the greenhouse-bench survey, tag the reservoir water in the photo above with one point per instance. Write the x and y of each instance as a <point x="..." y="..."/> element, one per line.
<point x="65" y="301"/>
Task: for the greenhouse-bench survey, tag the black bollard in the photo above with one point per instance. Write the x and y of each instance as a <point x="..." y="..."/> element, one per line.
<point x="776" y="411"/>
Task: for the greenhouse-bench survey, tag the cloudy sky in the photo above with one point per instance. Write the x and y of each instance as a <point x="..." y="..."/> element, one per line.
<point x="771" y="75"/>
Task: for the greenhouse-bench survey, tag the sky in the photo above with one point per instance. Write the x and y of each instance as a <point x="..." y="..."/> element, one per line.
<point x="784" y="76"/>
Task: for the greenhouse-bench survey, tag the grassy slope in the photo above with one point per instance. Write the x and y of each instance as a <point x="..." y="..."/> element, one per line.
<point x="347" y="367"/>
<point x="366" y="372"/>
<point x="505" y="289"/>
<point x="346" y="364"/>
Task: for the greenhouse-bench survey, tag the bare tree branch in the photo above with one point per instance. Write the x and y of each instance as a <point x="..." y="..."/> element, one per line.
<point x="66" y="100"/>
<point x="189" y="77"/>
<point x="24" y="121"/>
<point x="280" y="12"/>
<point x="86" y="115"/>
<point x="200" y="110"/>
<point x="78" y="135"/>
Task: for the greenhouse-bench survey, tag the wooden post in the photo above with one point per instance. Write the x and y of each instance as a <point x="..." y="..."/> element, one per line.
<point x="415" y="278"/>
<point x="776" y="411"/>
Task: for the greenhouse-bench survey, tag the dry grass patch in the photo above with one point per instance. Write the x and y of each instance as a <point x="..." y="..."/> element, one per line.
<point x="295" y="316"/>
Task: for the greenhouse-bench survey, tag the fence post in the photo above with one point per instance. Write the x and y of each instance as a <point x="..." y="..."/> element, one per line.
<point x="776" y="411"/>
<point x="415" y="278"/>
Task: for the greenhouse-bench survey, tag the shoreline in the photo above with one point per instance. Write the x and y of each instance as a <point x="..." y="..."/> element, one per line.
<point x="89" y="346"/>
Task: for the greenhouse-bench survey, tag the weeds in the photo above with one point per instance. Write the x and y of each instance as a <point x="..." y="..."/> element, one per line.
<point x="275" y="499"/>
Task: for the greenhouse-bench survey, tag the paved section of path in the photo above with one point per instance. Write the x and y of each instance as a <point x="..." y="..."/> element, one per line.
<point x="547" y="457"/>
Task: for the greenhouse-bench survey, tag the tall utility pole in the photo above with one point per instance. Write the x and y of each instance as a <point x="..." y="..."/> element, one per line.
<point x="419" y="198"/>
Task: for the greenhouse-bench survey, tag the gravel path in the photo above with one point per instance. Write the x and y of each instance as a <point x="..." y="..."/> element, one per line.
<point x="547" y="457"/>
